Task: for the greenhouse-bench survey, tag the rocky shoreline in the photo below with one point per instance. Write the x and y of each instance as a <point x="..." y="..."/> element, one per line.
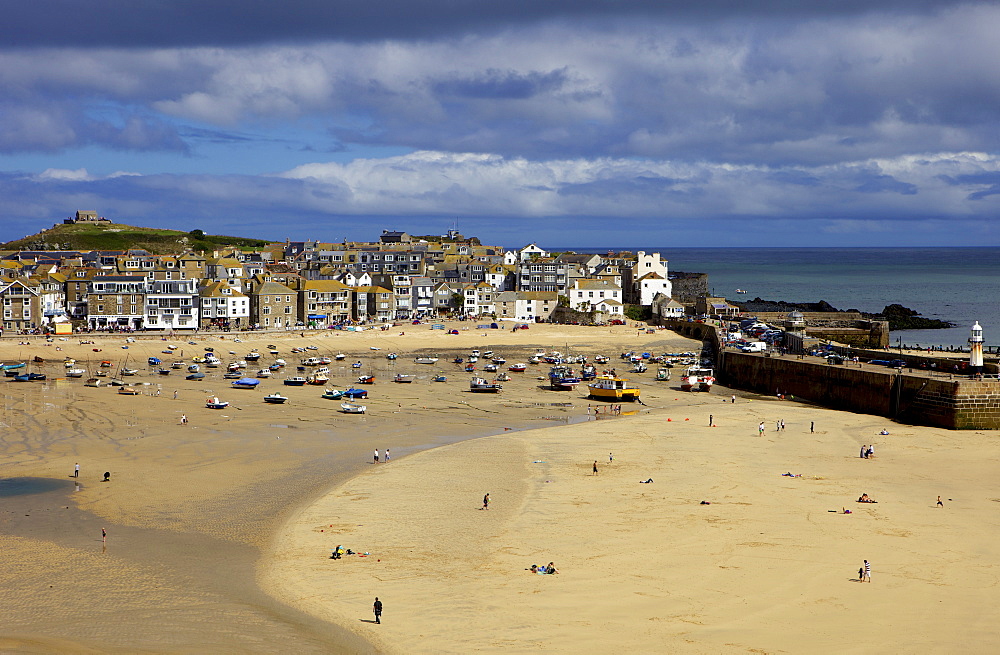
<point x="899" y="317"/>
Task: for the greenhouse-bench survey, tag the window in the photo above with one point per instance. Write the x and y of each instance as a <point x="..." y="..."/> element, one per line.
<point x="100" y="309"/>
<point x="267" y="310"/>
<point x="288" y="310"/>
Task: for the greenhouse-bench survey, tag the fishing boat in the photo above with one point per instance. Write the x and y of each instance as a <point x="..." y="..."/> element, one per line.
<point x="32" y="377"/>
<point x="14" y="367"/>
<point x="503" y="377"/>
<point x="356" y="393"/>
<point x="602" y="359"/>
<point x="194" y="376"/>
<point x="499" y="361"/>
<point x="663" y="375"/>
<point x="392" y="356"/>
<point x="92" y="382"/>
<point x="130" y="371"/>
<point x="608" y="387"/>
<point x="264" y="373"/>
<point x="488" y="354"/>
<point x="232" y="375"/>
<point x="439" y="378"/>
<point x="475" y="353"/>
<point x="106" y="364"/>
<point x="517" y="368"/>
<point x="161" y="371"/>
<point x="356" y="365"/>
<point x="312" y="361"/>
<point x="352" y="408"/>
<point x="366" y="379"/>
<point x="402" y="378"/>
<point x="741" y="291"/>
<point x="491" y="368"/>
<point x="75" y="372"/>
<point x="115" y="382"/>
<point x="535" y="359"/>
<point x="470" y="367"/>
<point x="425" y="360"/>
<point x="176" y="365"/>
<point x="128" y="391"/>
<point x="562" y="378"/>
<point x="252" y="356"/>
<point x="275" y="398"/>
<point x="194" y="368"/>
<point x="69" y="362"/>
<point x="333" y="394"/>
<point x="318" y="378"/>
<point x="214" y="403"/>
<point x="640" y="367"/>
<point x="482" y="385"/>
<point x="340" y="357"/>
<point x="588" y="372"/>
<point x="697" y="378"/>
<point x="246" y="383"/>
<point x="458" y="360"/>
<point x="296" y="381"/>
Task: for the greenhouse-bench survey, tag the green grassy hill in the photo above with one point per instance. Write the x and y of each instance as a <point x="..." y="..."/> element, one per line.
<point x="116" y="236"/>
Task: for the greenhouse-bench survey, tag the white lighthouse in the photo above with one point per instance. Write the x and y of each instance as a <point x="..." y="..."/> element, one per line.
<point x="976" y="350"/>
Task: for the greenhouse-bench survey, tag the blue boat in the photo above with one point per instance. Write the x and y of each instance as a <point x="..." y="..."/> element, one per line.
<point x="356" y="393"/>
<point x="13" y="367"/>
<point x="246" y="383"/>
<point x="440" y="378"/>
<point x="153" y="361"/>
<point x="195" y="376"/>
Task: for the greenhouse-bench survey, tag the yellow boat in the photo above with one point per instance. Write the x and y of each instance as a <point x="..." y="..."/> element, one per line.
<point x="607" y="387"/>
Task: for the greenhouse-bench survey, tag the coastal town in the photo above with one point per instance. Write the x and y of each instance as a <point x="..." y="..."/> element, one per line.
<point x="310" y="284"/>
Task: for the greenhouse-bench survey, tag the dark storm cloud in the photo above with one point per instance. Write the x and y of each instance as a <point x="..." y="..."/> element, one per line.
<point x="159" y="23"/>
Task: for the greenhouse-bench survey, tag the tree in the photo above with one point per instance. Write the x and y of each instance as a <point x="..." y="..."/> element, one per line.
<point x="197" y="234"/>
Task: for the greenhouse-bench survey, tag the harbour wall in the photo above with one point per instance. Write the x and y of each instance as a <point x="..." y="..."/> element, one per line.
<point x="921" y="399"/>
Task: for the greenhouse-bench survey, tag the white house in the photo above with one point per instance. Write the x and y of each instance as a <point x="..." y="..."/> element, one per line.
<point x="526" y="306"/>
<point x="172" y="304"/>
<point x="590" y="295"/>
<point x="666" y="307"/>
<point x="646" y="277"/>
<point x="529" y="251"/>
<point x="223" y="306"/>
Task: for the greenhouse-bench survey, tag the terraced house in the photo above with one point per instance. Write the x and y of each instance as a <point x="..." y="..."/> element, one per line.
<point x="21" y="299"/>
<point x="116" y="301"/>
<point x="272" y="305"/>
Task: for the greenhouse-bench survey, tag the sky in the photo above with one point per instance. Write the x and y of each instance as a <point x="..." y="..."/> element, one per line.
<point x="583" y="123"/>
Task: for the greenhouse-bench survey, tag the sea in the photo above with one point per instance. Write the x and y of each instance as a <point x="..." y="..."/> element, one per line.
<point x="960" y="285"/>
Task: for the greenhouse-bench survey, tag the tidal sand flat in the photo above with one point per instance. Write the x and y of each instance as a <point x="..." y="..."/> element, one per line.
<point x="190" y="508"/>
<point x="770" y="564"/>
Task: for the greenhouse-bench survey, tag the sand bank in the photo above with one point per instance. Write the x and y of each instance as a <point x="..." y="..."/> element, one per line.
<point x="769" y="566"/>
<point x="189" y="507"/>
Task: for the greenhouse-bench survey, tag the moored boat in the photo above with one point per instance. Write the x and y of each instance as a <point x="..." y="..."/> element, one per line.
<point x="402" y="378"/>
<point x="213" y="402"/>
<point x="517" y="368"/>
<point x="75" y="372"/>
<point x="482" y="385"/>
<point x="128" y="391"/>
<point x="697" y="378"/>
<point x="194" y="376"/>
<point x="246" y="383"/>
<point x="296" y="381"/>
<point x="425" y="360"/>
<point x="608" y="387"/>
<point x="318" y="378"/>
<point x="353" y="408"/>
<point x="562" y="378"/>
<point x="275" y="398"/>
<point x="333" y="394"/>
<point x="366" y="379"/>
<point x="439" y="378"/>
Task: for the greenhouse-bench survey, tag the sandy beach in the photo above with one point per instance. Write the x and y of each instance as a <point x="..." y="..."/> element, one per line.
<point x="220" y="530"/>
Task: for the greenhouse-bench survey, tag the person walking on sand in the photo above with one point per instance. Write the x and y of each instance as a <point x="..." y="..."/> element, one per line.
<point x="376" y="456"/>
<point x="595" y="467"/>
<point x="104" y="535"/>
<point x="939" y="503"/>
<point x="711" y="420"/>
<point x="782" y="424"/>
<point x="377" y="608"/>
<point x="184" y="419"/>
<point x="76" y="470"/>
<point x="486" y="501"/>
<point x="868" y="571"/>
<point x="175" y="394"/>
<point x="864" y="449"/>
<point x="760" y="429"/>
<point x="386" y="454"/>
<point x="611" y="458"/>
<point x="734" y="400"/>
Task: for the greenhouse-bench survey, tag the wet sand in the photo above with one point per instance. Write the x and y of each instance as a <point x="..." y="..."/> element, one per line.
<point x="191" y="508"/>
